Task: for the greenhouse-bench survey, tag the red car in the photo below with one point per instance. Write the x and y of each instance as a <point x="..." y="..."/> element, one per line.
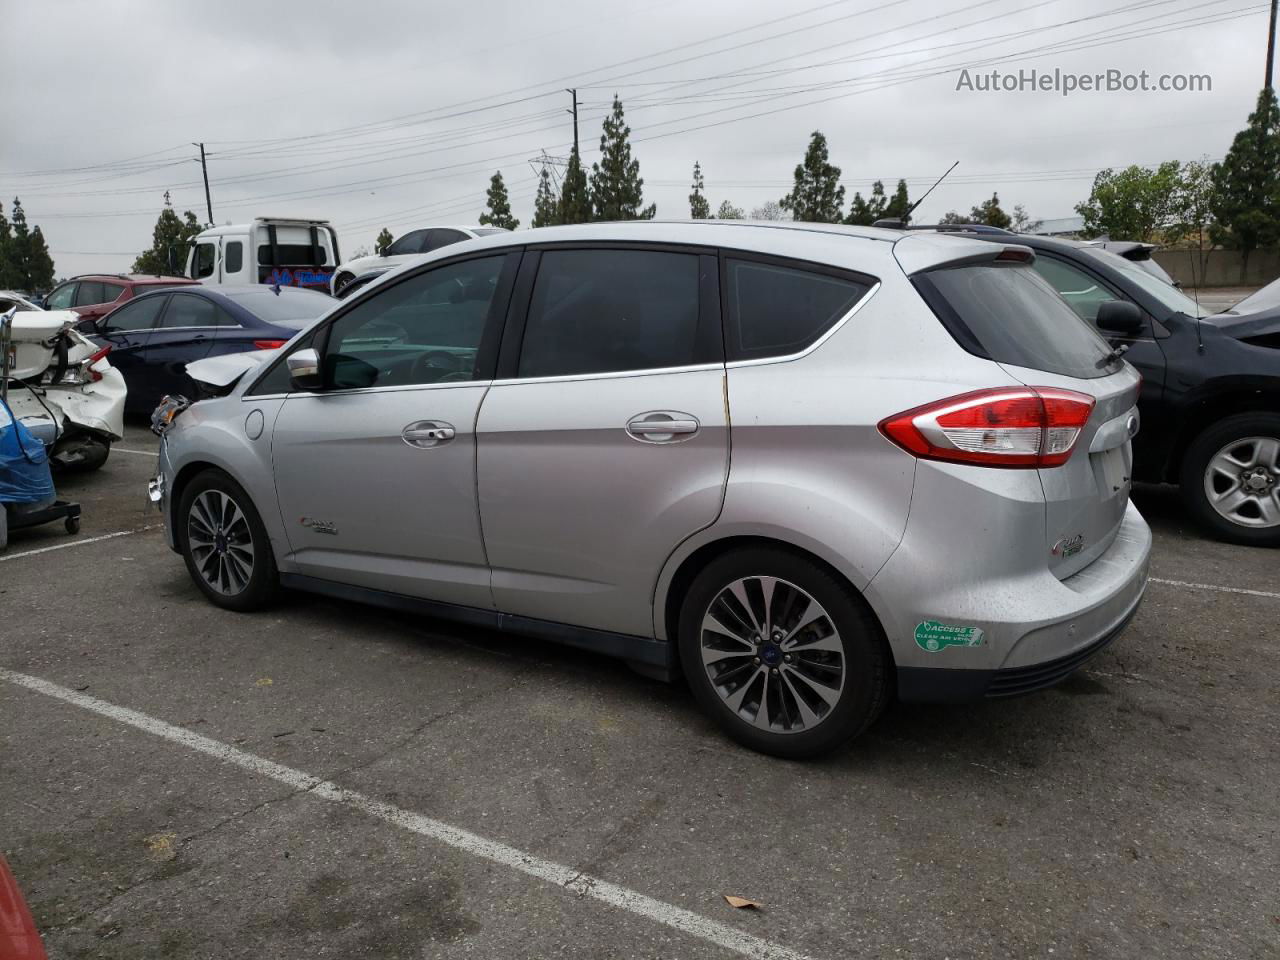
<point x="96" y="294"/>
<point x="18" y="937"/>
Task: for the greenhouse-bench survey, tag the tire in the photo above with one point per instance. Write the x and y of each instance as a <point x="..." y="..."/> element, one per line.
<point x="236" y="570"/>
<point x="845" y="647"/>
<point x="342" y="280"/>
<point x="90" y="454"/>
<point x="1230" y="479"/>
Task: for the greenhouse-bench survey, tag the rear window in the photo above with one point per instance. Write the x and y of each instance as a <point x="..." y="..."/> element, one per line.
<point x="1010" y="314"/>
<point x="288" y="308"/>
<point x="291" y="255"/>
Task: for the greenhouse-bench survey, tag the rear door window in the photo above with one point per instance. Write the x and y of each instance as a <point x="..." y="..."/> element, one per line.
<point x="410" y="243"/>
<point x="442" y="238"/>
<point x="1008" y="313"/>
<point x="111" y="292"/>
<point x="186" y="310"/>
<point x="776" y="310"/>
<point x="90" y="292"/>
<point x="609" y="311"/>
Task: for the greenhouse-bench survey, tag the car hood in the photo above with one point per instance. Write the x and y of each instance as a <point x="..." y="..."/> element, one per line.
<point x="1245" y="325"/>
<point x="225" y="370"/>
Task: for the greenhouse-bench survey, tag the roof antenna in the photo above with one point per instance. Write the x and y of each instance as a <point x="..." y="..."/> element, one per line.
<point x="906" y="217"/>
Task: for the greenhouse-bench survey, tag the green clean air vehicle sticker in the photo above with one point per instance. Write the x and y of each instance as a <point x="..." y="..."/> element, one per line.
<point x="934" y="636"/>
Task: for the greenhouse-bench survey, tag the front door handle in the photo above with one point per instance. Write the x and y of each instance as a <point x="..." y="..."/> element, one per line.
<point x="427" y="433"/>
<point x="662" y="426"/>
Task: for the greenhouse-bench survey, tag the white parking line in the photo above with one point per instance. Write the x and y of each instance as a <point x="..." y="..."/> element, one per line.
<point x="76" y="543"/>
<point x="1215" y="588"/>
<point x="136" y="453"/>
<point x="570" y="879"/>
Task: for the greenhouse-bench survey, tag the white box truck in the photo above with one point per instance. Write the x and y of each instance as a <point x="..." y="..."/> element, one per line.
<point x="289" y="251"/>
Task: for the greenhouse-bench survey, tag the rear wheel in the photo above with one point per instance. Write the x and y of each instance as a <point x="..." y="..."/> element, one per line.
<point x="785" y="656"/>
<point x="224" y="543"/>
<point x="1231" y="479"/>
<point x="340" y="281"/>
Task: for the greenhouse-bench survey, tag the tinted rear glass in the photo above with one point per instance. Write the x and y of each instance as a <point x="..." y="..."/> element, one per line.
<point x="1010" y="314"/>
<point x="288" y="308"/>
<point x="775" y="310"/>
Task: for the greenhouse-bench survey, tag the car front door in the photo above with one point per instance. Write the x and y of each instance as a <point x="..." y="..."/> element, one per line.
<point x="185" y="333"/>
<point x="61" y="298"/>
<point x="605" y="442"/>
<point x="128" y="331"/>
<point x="376" y="473"/>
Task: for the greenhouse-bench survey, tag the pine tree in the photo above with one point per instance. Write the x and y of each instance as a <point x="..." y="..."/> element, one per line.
<point x="546" y="207"/>
<point x="899" y="204"/>
<point x="169" y="242"/>
<point x="498" y="213"/>
<point x="991" y="214"/>
<point x="382" y="241"/>
<point x="40" y="274"/>
<point x="728" y="211"/>
<point x="616" y="185"/>
<point x="20" y="248"/>
<point x="575" y="198"/>
<point x="817" y="195"/>
<point x="9" y="278"/>
<point x="699" y="207"/>
<point x="1246" y="201"/>
<point x="863" y="213"/>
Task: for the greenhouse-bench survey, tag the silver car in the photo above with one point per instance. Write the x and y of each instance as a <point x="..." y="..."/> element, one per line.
<point x="809" y="467"/>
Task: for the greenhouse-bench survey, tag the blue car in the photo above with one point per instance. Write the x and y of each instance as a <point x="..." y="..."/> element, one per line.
<point x="155" y="335"/>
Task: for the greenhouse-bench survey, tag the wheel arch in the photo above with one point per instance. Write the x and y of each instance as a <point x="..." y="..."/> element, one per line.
<point x="1228" y="400"/>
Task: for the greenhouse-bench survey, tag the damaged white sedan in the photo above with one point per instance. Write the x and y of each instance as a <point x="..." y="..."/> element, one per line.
<point x="62" y="388"/>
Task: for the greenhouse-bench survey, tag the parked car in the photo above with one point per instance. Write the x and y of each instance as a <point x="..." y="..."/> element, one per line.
<point x="1210" y="400"/>
<point x="405" y="248"/>
<point x="12" y="299"/>
<point x="1138" y="253"/>
<point x="360" y="282"/>
<point x="95" y="295"/>
<point x="154" y="336"/>
<point x="276" y="251"/>
<point x="533" y="432"/>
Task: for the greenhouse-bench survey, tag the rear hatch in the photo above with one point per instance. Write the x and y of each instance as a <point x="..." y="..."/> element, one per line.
<point x="1001" y="309"/>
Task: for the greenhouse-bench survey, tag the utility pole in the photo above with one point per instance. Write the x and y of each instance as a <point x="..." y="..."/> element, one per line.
<point x="1271" y="43"/>
<point x="574" y="91"/>
<point x="204" y="167"/>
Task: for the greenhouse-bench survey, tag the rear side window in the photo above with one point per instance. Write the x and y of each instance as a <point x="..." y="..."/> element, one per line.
<point x="1010" y="314"/>
<point x="111" y="292"/>
<point x="777" y="310"/>
<point x="233" y="255"/>
<point x="90" y="292"/>
<point x="442" y="238"/>
<point x="292" y="254"/>
<point x="188" y="311"/>
<point x="609" y="311"/>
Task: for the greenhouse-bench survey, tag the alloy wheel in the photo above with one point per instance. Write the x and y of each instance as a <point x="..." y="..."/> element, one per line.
<point x="1242" y="482"/>
<point x="220" y="542"/>
<point x="773" y="654"/>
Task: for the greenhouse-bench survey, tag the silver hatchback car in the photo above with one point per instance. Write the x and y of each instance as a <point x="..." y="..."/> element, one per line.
<point x="809" y="467"/>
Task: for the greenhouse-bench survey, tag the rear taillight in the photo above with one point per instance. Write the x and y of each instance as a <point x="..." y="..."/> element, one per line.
<point x="93" y="375"/>
<point x="269" y="344"/>
<point x="1023" y="427"/>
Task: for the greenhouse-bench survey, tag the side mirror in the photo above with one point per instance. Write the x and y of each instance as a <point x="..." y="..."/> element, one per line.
<point x="304" y="369"/>
<point x="1120" y="316"/>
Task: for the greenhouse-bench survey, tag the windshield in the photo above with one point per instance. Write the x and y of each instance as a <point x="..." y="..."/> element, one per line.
<point x="1169" y="296"/>
<point x="288" y="308"/>
<point x="1268" y="298"/>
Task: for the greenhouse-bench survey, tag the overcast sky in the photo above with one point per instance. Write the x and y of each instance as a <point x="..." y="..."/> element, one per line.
<point x="397" y="113"/>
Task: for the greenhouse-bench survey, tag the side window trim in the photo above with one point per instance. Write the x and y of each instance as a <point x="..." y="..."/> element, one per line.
<point x="486" y="357"/>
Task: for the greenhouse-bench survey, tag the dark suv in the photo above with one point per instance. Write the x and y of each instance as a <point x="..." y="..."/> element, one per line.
<point x="1210" y="400"/>
<point x="94" y="295"/>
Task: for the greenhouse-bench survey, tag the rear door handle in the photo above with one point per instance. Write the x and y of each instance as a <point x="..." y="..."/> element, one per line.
<point x="662" y="426"/>
<point x="427" y="433"/>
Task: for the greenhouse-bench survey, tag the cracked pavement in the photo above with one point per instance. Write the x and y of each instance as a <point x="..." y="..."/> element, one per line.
<point x="1130" y="812"/>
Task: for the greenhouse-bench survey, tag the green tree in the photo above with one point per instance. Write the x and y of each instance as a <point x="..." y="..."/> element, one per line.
<point x="9" y="276"/>
<point x="769" y="210"/>
<point x="1193" y="220"/>
<point x="616" y="185"/>
<point x="546" y="206"/>
<point x="383" y="240"/>
<point x="728" y="211"/>
<point x="169" y="242"/>
<point x="39" y="263"/>
<point x="1133" y="204"/>
<point x="498" y="213"/>
<point x="899" y="204"/>
<point x="955" y="217"/>
<point x="863" y="213"/>
<point x="817" y="195"/>
<point x="1246" y="184"/>
<point x="19" y="247"/>
<point x="575" y="196"/>
<point x="1022" y="222"/>
<point x="989" y="212"/>
<point x="699" y="207"/>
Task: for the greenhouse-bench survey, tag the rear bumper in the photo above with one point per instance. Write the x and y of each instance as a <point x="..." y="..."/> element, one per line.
<point x="1026" y="629"/>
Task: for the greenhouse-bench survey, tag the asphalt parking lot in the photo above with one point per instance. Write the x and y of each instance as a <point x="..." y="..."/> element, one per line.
<point x="179" y="781"/>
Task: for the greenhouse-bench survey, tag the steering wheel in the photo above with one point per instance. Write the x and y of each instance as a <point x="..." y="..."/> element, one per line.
<point x="436" y="366"/>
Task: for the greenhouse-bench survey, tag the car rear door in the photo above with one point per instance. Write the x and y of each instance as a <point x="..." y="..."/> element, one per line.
<point x="605" y="442"/>
<point x="128" y="331"/>
<point x="185" y="333"/>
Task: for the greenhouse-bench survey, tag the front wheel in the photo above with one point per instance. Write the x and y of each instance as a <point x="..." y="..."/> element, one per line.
<point x="784" y="655"/>
<point x="224" y="543"/>
<point x="1230" y="479"/>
